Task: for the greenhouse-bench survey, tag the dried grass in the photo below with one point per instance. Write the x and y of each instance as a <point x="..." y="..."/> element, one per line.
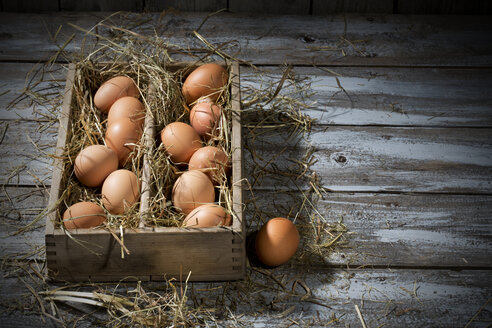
<point x="269" y="108"/>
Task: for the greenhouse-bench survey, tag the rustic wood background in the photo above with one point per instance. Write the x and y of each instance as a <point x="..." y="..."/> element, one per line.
<point x="298" y="7"/>
<point x="407" y="152"/>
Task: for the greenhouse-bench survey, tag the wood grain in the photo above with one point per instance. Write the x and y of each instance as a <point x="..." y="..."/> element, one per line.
<point x="448" y="7"/>
<point x="384" y="230"/>
<point x="237" y="149"/>
<point x="385" y="297"/>
<point x="186" y="5"/>
<point x="154" y="253"/>
<point x="160" y="5"/>
<point x="388" y="96"/>
<point x="15" y="78"/>
<point x="304" y="40"/>
<point x="298" y="7"/>
<point x="321" y="7"/>
<point x="381" y="159"/>
<point x="350" y="158"/>
<point x="101" y="5"/>
<point x="405" y="159"/>
<point x="64" y="133"/>
<point x="19" y="206"/>
<point x="393" y="230"/>
<point x="22" y="162"/>
<point x="30" y="6"/>
<point x="237" y="160"/>
<point x="376" y="96"/>
<point x="413" y="193"/>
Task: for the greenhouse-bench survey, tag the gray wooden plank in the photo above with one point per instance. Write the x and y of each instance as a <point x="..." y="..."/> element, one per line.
<point x="351" y="158"/>
<point x="159" y="5"/>
<point x="24" y="151"/>
<point x="210" y="5"/>
<point x="46" y="33"/>
<point x="101" y="5"/>
<point x="387" y="96"/>
<point x="22" y="309"/>
<point x="377" y="40"/>
<point x="385" y="298"/>
<point x="389" y="230"/>
<point x="376" y="96"/>
<point x="298" y="7"/>
<point x="405" y="159"/>
<point x="19" y="206"/>
<point x="380" y="159"/>
<point x="383" y="230"/>
<point x="393" y="298"/>
<point x="321" y="7"/>
<point x="414" y="230"/>
<point x="187" y="5"/>
<point x="30" y="6"/>
<point x="468" y="7"/>
<point x="18" y="320"/>
<point x="15" y="77"/>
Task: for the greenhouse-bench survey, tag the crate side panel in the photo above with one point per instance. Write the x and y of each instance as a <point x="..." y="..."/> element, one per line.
<point x="151" y="253"/>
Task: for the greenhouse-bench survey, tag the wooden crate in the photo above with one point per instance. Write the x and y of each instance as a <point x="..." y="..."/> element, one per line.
<point x="157" y="253"/>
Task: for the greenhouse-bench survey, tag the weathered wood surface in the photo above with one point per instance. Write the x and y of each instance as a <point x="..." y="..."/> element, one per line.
<point x="185" y="5"/>
<point x="25" y="148"/>
<point x="408" y="152"/>
<point x="352" y="159"/>
<point x="413" y="7"/>
<point x="391" y="96"/>
<point x="101" y="5"/>
<point x="376" y="96"/>
<point x="385" y="297"/>
<point x="386" y="230"/>
<point x="30" y="5"/>
<point x="447" y="160"/>
<point x="18" y="207"/>
<point x="296" y="7"/>
<point x="322" y="7"/>
<point x="405" y="159"/>
<point x="341" y="40"/>
<point x="383" y="159"/>
<point x="316" y="7"/>
<point x="398" y="230"/>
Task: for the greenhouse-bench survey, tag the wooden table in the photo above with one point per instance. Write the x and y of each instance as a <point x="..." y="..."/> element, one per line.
<point x="403" y="142"/>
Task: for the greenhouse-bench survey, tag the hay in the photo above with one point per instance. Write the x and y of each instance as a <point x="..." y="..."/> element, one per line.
<point x="270" y="109"/>
<point x="159" y="84"/>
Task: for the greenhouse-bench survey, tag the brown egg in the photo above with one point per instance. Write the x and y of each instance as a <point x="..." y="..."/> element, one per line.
<point x="207" y="80"/>
<point x="276" y="242"/>
<point x="114" y="89"/>
<point x="192" y="189"/>
<point x="128" y="107"/>
<point x="205" y="118"/>
<point x="208" y="215"/>
<point x="120" y="191"/>
<point x="121" y="137"/>
<point x="180" y="141"/>
<point x="83" y="215"/>
<point x="94" y="163"/>
<point x="211" y="161"/>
